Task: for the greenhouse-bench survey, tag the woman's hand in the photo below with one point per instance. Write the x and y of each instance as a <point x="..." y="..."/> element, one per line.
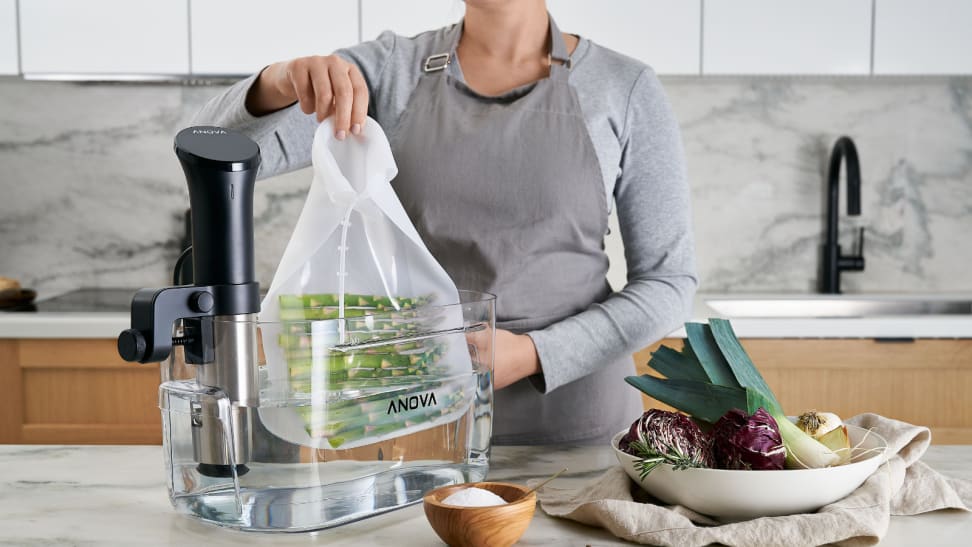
<point x="327" y="85"/>
<point x="515" y="357"/>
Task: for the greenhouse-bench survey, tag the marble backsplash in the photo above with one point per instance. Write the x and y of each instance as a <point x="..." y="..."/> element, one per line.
<point x="92" y="194"/>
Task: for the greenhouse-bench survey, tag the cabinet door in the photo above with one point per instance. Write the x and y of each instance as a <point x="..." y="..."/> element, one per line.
<point x="76" y="391"/>
<point x="243" y="36"/>
<point x="923" y="37"/>
<point x="923" y="382"/>
<point x="786" y="37"/>
<point x="407" y="18"/>
<point x="104" y="37"/>
<point x="662" y="33"/>
<point x="9" y="62"/>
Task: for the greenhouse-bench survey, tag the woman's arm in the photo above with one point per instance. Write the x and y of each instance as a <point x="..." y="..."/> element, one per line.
<point x="324" y="85"/>
<point x="281" y="106"/>
<point x="652" y="198"/>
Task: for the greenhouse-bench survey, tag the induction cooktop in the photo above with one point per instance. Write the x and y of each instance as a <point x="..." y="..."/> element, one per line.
<point x="83" y="300"/>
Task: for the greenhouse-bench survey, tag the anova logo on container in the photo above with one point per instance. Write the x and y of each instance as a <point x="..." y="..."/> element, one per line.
<point x="411" y="403"/>
<point x="209" y="132"/>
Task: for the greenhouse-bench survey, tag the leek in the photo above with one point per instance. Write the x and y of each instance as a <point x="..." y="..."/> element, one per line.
<point x="709" y="355"/>
<point x="702" y="400"/>
<point x="676" y="365"/>
<point x="802" y="450"/>
<point x="714" y="353"/>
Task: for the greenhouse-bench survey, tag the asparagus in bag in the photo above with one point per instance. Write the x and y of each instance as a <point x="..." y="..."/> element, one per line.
<point x="358" y="345"/>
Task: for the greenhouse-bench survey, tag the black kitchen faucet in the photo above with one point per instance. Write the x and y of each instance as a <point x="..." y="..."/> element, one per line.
<point x="832" y="262"/>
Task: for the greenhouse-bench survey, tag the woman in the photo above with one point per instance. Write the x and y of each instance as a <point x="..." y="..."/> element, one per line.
<point x="511" y="140"/>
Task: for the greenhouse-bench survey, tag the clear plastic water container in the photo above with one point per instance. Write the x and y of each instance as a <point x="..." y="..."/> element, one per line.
<point x="355" y="416"/>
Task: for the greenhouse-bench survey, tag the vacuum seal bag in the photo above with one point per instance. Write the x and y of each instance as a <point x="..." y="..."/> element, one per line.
<point x="361" y="331"/>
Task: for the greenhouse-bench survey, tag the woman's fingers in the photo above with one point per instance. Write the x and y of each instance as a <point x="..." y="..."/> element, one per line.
<point x="343" y="97"/>
<point x="329" y="86"/>
<point x="323" y="93"/>
<point x="359" y="108"/>
<point x="298" y="75"/>
<point x="482" y="340"/>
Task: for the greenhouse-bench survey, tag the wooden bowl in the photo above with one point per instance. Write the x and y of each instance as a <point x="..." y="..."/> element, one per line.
<point x="495" y="526"/>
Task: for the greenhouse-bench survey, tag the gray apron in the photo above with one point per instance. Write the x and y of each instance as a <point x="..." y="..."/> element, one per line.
<point x="507" y="194"/>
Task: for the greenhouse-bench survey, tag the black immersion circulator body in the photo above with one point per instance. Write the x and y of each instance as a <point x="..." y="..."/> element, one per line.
<point x="216" y="310"/>
<point x="220" y="167"/>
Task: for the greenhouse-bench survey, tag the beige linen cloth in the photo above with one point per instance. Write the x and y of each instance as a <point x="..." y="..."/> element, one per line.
<point x="905" y="486"/>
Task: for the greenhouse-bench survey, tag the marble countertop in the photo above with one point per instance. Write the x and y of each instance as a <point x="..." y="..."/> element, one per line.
<point x="109" y="324"/>
<point x="115" y="495"/>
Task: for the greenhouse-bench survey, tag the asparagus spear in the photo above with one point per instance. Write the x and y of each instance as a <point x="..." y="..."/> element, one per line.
<point x="367" y="318"/>
<point x="374" y="301"/>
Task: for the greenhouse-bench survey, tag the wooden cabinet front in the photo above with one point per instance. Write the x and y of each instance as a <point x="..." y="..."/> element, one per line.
<point x="79" y="391"/>
<point x="76" y="391"/>
<point x="924" y="382"/>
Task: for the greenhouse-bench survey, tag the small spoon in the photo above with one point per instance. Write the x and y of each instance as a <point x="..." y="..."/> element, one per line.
<point x="537" y="487"/>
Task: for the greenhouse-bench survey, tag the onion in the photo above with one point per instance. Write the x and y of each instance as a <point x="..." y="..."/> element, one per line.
<point x="817" y="424"/>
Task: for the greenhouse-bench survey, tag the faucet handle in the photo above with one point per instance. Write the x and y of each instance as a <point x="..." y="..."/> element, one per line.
<point x="853" y="262"/>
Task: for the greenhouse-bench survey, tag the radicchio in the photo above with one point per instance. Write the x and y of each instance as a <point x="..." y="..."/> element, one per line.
<point x="659" y="436"/>
<point x="741" y="441"/>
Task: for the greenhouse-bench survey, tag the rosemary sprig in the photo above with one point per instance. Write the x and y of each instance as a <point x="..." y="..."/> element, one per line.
<point x="651" y="458"/>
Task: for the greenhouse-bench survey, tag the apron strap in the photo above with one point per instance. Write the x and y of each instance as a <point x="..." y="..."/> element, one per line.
<point x="560" y="61"/>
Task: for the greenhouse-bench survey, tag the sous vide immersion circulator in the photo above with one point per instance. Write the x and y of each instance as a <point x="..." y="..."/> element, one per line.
<point x="217" y="310"/>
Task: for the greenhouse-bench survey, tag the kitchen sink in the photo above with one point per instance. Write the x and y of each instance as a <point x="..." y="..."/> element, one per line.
<point x="837" y="305"/>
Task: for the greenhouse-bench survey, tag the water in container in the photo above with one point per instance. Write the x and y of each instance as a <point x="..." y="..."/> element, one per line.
<point x="344" y="431"/>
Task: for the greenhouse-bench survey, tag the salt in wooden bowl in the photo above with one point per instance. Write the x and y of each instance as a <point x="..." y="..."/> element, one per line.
<point x="492" y="526"/>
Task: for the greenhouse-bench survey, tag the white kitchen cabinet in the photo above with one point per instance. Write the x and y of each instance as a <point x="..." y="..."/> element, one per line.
<point x="662" y="33"/>
<point x="243" y="36"/>
<point x="923" y="37"/>
<point x="9" y="62"/>
<point x="407" y="18"/>
<point x="104" y="37"/>
<point x="786" y="37"/>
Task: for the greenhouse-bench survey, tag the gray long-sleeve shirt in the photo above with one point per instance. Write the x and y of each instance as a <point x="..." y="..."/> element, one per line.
<point x="637" y="142"/>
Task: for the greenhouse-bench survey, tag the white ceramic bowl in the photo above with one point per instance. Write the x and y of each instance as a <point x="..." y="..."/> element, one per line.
<point x="739" y="495"/>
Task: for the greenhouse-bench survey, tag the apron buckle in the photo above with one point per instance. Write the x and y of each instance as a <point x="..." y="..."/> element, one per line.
<point x="437" y="62"/>
<point x="566" y="63"/>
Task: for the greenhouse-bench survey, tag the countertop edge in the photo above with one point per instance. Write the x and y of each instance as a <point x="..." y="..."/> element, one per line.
<point x="46" y="325"/>
<point x="63" y="325"/>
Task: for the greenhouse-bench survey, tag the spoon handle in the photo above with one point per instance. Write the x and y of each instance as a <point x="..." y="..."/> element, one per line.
<point x="537" y="487"/>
